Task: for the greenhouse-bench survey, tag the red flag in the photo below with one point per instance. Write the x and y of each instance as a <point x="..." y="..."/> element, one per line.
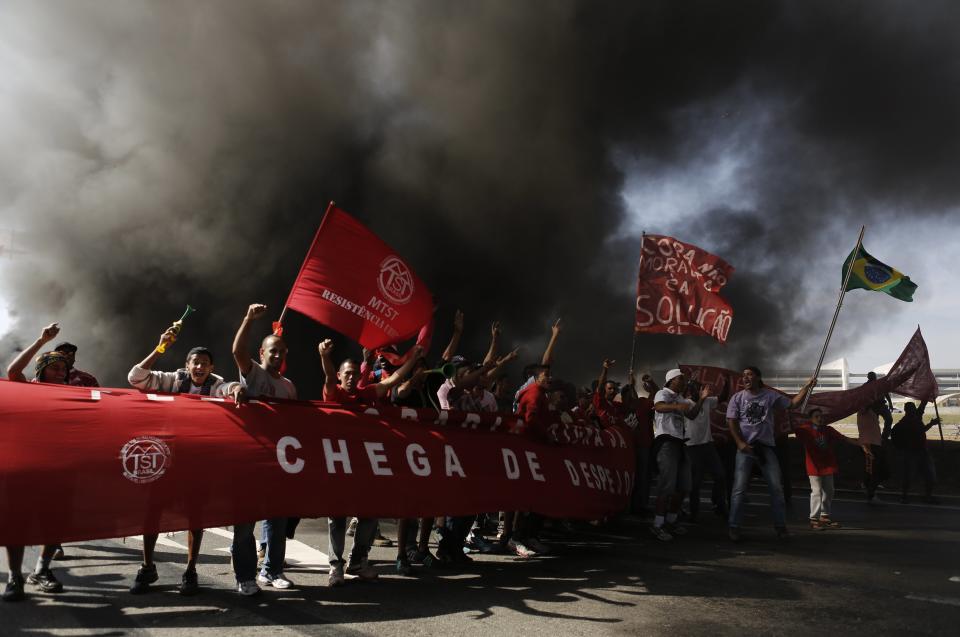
<point x="678" y="291"/>
<point x="910" y="376"/>
<point x="356" y="284"/>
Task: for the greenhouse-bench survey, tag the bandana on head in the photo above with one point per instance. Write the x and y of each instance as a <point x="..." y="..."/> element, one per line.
<point x="45" y="360"/>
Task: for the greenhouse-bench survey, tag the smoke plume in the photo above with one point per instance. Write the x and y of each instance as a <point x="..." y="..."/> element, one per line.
<point x="159" y="154"/>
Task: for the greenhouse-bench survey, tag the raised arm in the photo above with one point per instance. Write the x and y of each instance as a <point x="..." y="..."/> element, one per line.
<point x="494" y="337"/>
<point x="454" y="343"/>
<point x="797" y="400"/>
<point x="604" y="368"/>
<point x="499" y="364"/>
<point x="554" y="335"/>
<point x="241" y="355"/>
<point x="15" y="369"/>
<point x="384" y="386"/>
<point x="165" y="339"/>
<point x="329" y="369"/>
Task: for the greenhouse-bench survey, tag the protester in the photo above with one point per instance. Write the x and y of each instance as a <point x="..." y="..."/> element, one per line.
<point x="341" y="386"/>
<point x="822" y="466"/>
<point x="910" y="435"/>
<point x="703" y="455"/>
<point x="750" y="417"/>
<point x="868" y="425"/>
<point x="530" y="371"/>
<point x="52" y="368"/>
<point x="75" y="376"/>
<point x="607" y="411"/>
<point x="673" y="483"/>
<point x="196" y="377"/>
<point x="261" y="379"/>
<point x="639" y="417"/>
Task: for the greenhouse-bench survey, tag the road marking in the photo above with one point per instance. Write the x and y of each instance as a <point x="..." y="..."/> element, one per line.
<point x="297" y="554"/>
<point x="163" y="541"/>
<point x="949" y="601"/>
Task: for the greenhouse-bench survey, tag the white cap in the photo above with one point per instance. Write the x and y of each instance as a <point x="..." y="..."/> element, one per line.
<point x="673" y="373"/>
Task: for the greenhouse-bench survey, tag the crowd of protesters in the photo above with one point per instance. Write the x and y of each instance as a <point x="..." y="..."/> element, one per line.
<point x="675" y="445"/>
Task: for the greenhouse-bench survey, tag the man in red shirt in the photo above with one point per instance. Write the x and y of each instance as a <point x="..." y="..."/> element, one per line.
<point x="638" y="416"/>
<point x="816" y="439"/>
<point x="348" y="392"/>
<point x="533" y="405"/>
<point x="607" y="411"/>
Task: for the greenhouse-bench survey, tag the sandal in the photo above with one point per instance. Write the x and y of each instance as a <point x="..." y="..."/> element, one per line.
<point x="827" y="523"/>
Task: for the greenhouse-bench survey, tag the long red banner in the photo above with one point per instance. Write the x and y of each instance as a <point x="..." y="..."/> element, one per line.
<point x="78" y="464"/>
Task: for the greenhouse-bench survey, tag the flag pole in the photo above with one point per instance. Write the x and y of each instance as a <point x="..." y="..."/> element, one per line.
<point x="836" y="313"/>
<point x="278" y="324"/>
<point x="936" y="412"/>
<point x="633" y="343"/>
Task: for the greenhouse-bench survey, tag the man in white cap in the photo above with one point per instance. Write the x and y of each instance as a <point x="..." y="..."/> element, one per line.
<point x="670" y="409"/>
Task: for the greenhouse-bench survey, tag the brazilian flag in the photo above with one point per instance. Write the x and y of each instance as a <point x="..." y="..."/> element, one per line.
<point x="870" y="274"/>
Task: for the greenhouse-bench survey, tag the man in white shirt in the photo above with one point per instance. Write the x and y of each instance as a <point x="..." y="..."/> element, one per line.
<point x="671" y="409"/>
<point x="703" y="455"/>
<point x="261" y="379"/>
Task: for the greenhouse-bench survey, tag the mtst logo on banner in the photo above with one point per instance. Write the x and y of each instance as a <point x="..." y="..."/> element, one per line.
<point x="678" y="291"/>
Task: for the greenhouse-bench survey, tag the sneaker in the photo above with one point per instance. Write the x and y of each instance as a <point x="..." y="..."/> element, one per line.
<point x="146" y="575"/>
<point x="782" y="533"/>
<point x="248" y="588"/>
<point x="380" y="540"/>
<point x="352" y="529"/>
<point x="734" y="533"/>
<point x="816" y="525"/>
<point x="335" y="578"/>
<point x="676" y="529"/>
<point x="827" y="523"/>
<point x="14" y="590"/>
<point x="480" y="544"/>
<point x="537" y="546"/>
<point x="403" y="567"/>
<point x="660" y="533"/>
<point x="45" y="581"/>
<point x="58" y="554"/>
<point x="188" y="583"/>
<point x="520" y="549"/>
<point x="277" y="581"/>
<point x="363" y="570"/>
<point x="426" y="558"/>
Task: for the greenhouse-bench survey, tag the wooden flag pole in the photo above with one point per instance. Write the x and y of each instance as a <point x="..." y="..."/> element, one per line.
<point x="836" y="313"/>
<point x="633" y="344"/>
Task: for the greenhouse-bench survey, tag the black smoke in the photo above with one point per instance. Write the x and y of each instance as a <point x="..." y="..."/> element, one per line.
<point x="159" y="154"/>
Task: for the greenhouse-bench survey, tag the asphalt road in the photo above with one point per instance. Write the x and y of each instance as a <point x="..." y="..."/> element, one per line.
<point x="892" y="569"/>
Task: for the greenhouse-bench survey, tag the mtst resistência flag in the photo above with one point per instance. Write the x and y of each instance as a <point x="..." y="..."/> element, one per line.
<point x="870" y="274"/>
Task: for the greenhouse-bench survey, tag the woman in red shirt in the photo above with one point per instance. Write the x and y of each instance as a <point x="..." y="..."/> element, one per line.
<point x="816" y="439"/>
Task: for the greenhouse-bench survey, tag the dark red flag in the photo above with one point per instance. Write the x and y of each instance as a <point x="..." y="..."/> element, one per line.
<point x="358" y="285"/>
<point x="678" y="291"/>
<point x="910" y="376"/>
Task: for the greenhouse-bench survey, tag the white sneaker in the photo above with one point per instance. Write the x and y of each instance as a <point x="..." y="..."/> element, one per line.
<point x="537" y="546"/>
<point x="336" y="576"/>
<point x="277" y="581"/>
<point x="520" y="549"/>
<point x="363" y="571"/>
<point x="660" y="533"/>
<point x="248" y="588"/>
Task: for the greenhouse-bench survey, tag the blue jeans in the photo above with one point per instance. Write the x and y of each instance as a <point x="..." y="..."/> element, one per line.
<point x="274" y="536"/>
<point x="770" y="468"/>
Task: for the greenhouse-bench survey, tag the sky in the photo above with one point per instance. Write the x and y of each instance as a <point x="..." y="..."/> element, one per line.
<point x="160" y="154"/>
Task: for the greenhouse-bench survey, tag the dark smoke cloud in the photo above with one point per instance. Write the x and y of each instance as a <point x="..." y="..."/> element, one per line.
<point x="164" y="153"/>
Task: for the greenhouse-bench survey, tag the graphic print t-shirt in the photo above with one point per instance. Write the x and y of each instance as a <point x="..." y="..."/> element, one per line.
<point x="754" y="412"/>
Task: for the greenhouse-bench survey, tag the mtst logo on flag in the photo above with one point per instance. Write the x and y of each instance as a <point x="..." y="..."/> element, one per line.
<point x="678" y="291"/>
<point x="358" y="285"/>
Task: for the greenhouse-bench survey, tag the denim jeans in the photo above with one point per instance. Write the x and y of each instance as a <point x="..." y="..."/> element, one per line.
<point x="274" y="536"/>
<point x="770" y="468"/>
<point x="244" y="552"/>
<point x="362" y="539"/>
